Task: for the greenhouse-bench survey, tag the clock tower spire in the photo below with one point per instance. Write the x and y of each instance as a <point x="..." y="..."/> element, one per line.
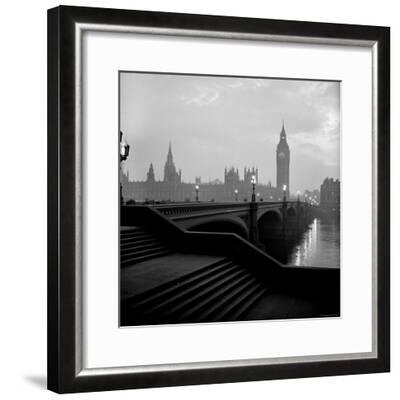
<point x="282" y="164"/>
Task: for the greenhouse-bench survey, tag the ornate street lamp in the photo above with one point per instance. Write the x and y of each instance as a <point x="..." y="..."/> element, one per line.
<point x="123" y="148"/>
<point x="284" y="193"/>
<point x="197" y="192"/>
<point x="253" y="182"/>
<point x="236" y="194"/>
<point x="123" y="155"/>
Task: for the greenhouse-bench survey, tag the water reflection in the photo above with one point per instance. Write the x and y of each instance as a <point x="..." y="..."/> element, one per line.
<point x="319" y="246"/>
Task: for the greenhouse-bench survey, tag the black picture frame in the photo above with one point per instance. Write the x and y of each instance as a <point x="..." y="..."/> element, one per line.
<point x="64" y="177"/>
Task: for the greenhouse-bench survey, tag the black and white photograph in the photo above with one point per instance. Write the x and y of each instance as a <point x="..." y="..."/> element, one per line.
<point x="229" y="198"/>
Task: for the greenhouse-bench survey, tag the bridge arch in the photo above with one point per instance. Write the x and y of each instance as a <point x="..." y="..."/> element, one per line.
<point x="227" y="225"/>
<point x="270" y="215"/>
<point x="270" y="226"/>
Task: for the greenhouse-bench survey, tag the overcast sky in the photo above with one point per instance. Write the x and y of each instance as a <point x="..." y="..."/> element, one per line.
<point x="218" y="122"/>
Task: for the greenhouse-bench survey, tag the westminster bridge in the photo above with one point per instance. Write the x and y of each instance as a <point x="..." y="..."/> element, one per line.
<point x="264" y="224"/>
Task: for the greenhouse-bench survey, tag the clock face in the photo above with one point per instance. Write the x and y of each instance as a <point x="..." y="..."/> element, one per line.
<point x="281" y="155"/>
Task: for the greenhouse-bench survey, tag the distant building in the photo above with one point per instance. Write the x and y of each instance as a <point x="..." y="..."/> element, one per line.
<point x="312" y="196"/>
<point x="330" y="195"/>
<point x="233" y="188"/>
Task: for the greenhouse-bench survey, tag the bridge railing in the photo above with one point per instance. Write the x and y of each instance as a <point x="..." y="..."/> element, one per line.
<point x="172" y="210"/>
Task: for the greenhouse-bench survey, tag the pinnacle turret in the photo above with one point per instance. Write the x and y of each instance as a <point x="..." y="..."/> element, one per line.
<point x="283" y="132"/>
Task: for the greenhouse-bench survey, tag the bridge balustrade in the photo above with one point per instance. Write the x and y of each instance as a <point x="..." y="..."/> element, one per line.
<point x="181" y="209"/>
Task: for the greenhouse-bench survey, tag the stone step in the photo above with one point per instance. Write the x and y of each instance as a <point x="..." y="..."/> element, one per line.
<point x="144" y="257"/>
<point x="136" y="249"/>
<point x="225" y="302"/>
<point x="188" y="309"/>
<point x="241" y="302"/>
<point x="137" y="236"/>
<point x="222" y="300"/>
<point x="141" y="251"/>
<point x="158" y="294"/>
<point x="220" y="290"/>
<point x="139" y="241"/>
<point x="149" y="277"/>
<point x="129" y="230"/>
<point x="179" y="295"/>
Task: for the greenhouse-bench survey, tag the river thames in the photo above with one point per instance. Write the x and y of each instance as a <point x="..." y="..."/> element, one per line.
<point x="318" y="246"/>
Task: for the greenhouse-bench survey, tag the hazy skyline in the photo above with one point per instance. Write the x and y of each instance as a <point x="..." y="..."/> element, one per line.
<point x="218" y="122"/>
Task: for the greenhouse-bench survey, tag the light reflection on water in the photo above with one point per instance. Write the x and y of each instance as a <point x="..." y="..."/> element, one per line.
<point x="318" y="247"/>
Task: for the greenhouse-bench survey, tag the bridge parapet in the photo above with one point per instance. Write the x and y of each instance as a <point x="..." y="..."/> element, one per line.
<point x="180" y="209"/>
<point x="173" y="210"/>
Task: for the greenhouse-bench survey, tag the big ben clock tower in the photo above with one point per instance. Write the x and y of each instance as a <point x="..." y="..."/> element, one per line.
<point x="282" y="165"/>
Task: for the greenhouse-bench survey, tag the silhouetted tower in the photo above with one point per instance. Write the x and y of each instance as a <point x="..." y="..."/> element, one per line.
<point x="150" y="174"/>
<point x="282" y="164"/>
<point x="231" y="177"/>
<point x="170" y="174"/>
<point x="248" y="173"/>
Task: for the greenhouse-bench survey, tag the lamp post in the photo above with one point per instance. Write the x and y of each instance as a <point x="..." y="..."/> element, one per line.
<point x="253" y="229"/>
<point x="253" y="182"/>
<point x="236" y="194"/>
<point x="298" y="196"/>
<point x="197" y="192"/>
<point x="123" y="155"/>
<point x="284" y="212"/>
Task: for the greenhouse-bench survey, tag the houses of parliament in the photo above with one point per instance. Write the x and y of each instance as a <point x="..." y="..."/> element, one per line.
<point x="233" y="188"/>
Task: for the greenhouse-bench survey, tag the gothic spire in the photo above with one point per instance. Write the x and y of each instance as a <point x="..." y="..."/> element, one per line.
<point x="170" y="159"/>
<point x="283" y="132"/>
<point x="150" y="174"/>
<point x="170" y="174"/>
